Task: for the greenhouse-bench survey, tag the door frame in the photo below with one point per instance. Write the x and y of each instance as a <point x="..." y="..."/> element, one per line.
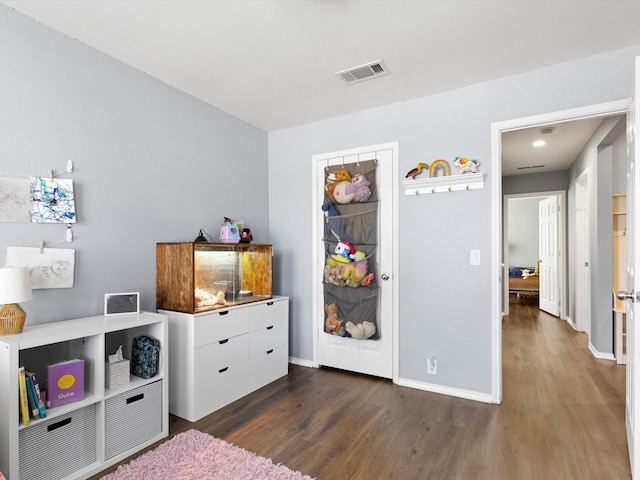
<point x="316" y="234"/>
<point x="497" y="280"/>
<point x="582" y="322"/>
<point x="562" y="241"/>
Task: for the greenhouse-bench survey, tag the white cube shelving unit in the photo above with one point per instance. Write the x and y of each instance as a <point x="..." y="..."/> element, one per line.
<point x="80" y="439"/>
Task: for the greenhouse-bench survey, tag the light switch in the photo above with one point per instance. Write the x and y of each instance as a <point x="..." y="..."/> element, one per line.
<point x="474" y="257"/>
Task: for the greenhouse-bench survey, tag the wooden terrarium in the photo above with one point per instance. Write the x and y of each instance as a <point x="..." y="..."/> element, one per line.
<point x="194" y="277"/>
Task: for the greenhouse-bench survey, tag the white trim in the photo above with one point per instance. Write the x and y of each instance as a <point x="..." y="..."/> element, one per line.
<point x="599" y="355"/>
<point x="303" y="362"/>
<point x="497" y="128"/>
<point x="453" y="392"/>
<point x="572" y="323"/>
<point x="315" y="234"/>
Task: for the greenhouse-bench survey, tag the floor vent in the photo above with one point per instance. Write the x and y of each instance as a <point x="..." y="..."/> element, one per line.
<point x="363" y="72"/>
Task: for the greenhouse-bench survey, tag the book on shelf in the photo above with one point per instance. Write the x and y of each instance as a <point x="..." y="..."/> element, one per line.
<point x="65" y="382"/>
<point x="31" y="396"/>
<point x="42" y="411"/>
<point x="24" y="401"/>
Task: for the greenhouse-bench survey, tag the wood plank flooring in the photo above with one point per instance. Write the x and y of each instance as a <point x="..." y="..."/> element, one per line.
<point x="562" y="417"/>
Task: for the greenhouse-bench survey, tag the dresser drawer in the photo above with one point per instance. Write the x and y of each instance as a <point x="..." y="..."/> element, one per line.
<point x="216" y="387"/>
<point x="216" y="326"/>
<point x="267" y="338"/>
<point x="220" y="354"/>
<point x="269" y="313"/>
<point x="268" y="366"/>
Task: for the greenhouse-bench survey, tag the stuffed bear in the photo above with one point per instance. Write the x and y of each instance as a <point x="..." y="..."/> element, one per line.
<point x="334" y="179"/>
<point x="333" y="324"/>
<point x="361" y="331"/>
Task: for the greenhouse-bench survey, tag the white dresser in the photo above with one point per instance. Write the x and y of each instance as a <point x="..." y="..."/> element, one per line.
<point x="220" y="356"/>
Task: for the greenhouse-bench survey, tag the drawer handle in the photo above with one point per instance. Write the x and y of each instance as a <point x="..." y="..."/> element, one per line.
<point x="222" y="370"/>
<point x="224" y="313"/>
<point x="269" y="351"/>
<point x="135" y="398"/>
<point x="269" y="328"/>
<point x="222" y="342"/>
<point x="59" y="424"/>
<point x="269" y="303"/>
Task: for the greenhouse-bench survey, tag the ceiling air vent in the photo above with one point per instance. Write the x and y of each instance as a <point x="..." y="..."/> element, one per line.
<point x="363" y="72"/>
<point x="530" y="166"/>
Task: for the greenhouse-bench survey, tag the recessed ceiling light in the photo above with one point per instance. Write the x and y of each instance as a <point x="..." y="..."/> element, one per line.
<point x="539" y="143"/>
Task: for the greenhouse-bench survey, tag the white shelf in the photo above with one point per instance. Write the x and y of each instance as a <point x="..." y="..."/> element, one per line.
<point x="87" y="420"/>
<point x="451" y="183"/>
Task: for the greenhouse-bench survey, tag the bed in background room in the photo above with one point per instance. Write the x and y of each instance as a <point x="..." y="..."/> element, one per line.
<point x="524" y="280"/>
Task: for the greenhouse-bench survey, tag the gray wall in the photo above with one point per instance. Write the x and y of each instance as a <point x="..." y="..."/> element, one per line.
<point x="152" y="163"/>
<point x="598" y="155"/>
<point x="523" y="228"/>
<point x="445" y="305"/>
<point x="535" y="182"/>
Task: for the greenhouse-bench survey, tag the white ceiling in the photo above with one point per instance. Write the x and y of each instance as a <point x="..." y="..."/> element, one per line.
<point x="271" y="63"/>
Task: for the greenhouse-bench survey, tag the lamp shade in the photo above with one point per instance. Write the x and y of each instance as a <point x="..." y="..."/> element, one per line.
<point x="15" y="285"/>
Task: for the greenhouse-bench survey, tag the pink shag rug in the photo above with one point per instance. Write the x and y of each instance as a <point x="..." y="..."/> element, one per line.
<point x="196" y="455"/>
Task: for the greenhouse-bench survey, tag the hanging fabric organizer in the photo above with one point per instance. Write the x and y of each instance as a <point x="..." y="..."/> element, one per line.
<point x="350" y="238"/>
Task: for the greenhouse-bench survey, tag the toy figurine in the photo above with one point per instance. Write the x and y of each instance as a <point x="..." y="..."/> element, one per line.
<point x="414" y="172"/>
<point x="465" y="165"/>
<point x="344" y="251"/>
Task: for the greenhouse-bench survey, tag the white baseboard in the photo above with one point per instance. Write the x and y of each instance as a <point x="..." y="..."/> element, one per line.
<point x="570" y="322"/>
<point x="427" y="387"/>
<point x="600" y="355"/>
<point x="453" y="392"/>
<point x="302" y="362"/>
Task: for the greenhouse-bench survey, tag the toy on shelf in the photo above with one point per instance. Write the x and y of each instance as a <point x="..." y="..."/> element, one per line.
<point x="229" y="232"/>
<point x="440" y="168"/>
<point x="361" y="184"/>
<point x="414" y="172"/>
<point x="465" y="165"/>
<point x="333" y="324"/>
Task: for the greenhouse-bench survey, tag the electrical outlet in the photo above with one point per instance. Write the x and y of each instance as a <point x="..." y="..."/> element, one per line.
<point x="432" y="365"/>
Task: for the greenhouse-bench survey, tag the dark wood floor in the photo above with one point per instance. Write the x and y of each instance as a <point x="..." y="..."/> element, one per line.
<point x="562" y="417"/>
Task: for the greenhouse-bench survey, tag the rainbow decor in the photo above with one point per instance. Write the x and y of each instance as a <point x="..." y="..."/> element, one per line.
<point x="439" y="168"/>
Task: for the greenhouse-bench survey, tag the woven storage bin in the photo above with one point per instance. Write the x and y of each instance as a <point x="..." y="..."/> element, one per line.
<point x="116" y="374"/>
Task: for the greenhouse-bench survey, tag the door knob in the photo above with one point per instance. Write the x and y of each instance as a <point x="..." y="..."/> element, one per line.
<point x="622" y="295"/>
<point x="384" y="276"/>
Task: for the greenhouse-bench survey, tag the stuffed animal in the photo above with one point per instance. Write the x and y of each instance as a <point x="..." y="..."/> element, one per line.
<point x="330" y="185"/>
<point x="344" y="192"/>
<point x="465" y="165"/>
<point x="333" y="324"/>
<point x="361" y="331"/>
<point x="363" y="192"/>
<point x="333" y="179"/>
<point x="344" y="251"/>
<point x="342" y="175"/>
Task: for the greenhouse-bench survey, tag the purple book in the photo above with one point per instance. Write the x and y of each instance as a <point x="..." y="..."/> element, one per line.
<point x="65" y="382"/>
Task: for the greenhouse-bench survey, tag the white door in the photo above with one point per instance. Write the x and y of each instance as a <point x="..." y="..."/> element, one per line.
<point x="582" y="275"/>
<point x="548" y="211"/>
<point x="633" y="280"/>
<point x="372" y="357"/>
